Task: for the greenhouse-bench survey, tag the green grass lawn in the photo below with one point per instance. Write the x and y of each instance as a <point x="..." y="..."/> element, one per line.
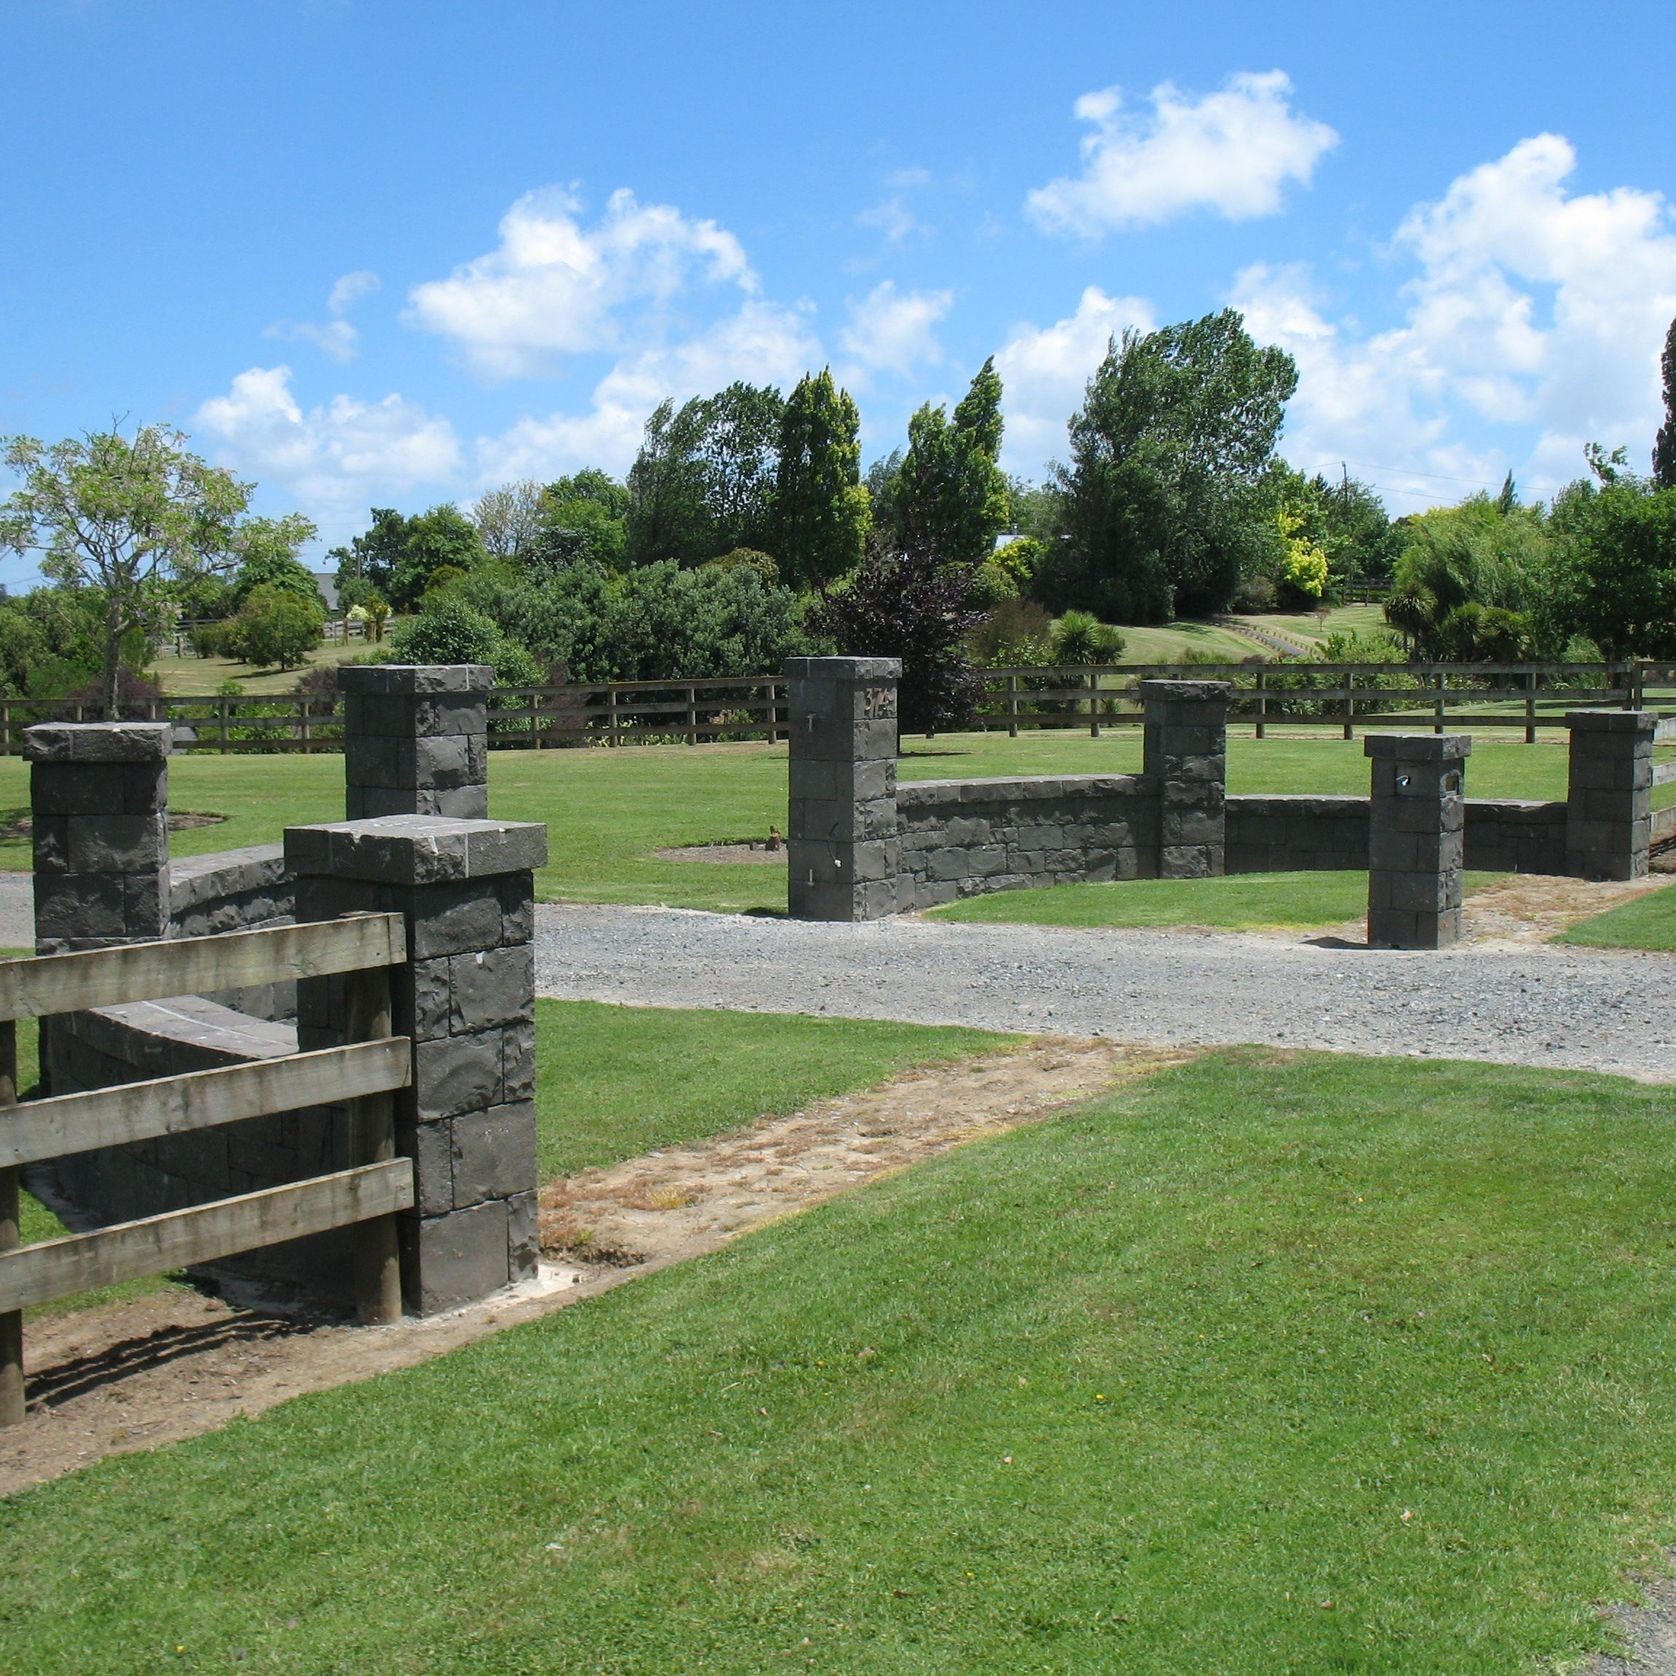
<point x="1649" y="922"/>
<point x="1240" y="902"/>
<point x="1170" y="642"/>
<point x="608" y="811"/>
<point x="616" y="1082"/>
<point x="191" y="677"/>
<point x="1261" y="1365"/>
<point x="1307" y="626"/>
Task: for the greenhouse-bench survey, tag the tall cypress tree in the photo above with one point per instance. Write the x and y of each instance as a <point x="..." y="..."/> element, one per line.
<point x="951" y="495"/>
<point x="821" y="508"/>
<point x="1664" y="448"/>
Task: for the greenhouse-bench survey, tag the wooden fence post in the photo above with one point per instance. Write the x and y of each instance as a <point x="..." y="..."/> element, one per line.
<point x="11" y="1322"/>
<point x="610" y="715"/>
<point x="692" y="715"/>
<point x="372" y="1140"/>
<point x="1437" y="703"/>
<point x="1093" y="704"/>
<point x="1262" y="700"/>
<point x="1530" y="707"/>
<point x="1349" y="705"/>
<point x="1012" y="705"/>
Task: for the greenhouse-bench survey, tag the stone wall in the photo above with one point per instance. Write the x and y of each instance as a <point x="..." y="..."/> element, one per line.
<point x="963" y="837"/>
<point x="236" y="890"/>
<point x="1309" y="834"/>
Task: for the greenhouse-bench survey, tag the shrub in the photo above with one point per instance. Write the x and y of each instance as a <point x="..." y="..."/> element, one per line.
<point x="1079" y="637"/>
<point x="275" y="627"/>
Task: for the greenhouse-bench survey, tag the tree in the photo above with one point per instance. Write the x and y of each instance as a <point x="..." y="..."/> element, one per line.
<point x="950" y="496"/>
<point x="275" y="627"/>
<point x="583" y="519"/>
<point x="1163" y="506"/>
<point x="1664" y="446"/>
<point x="1615" y="565"/>
<point x="441" y="537"/>
<point x="266" y="549"/>
<point x="367" y="565"/>
<point x="703" y="482"/>
<point x="908" y="604"/>
<point x="116" y="515"/>
<point x="820" y="507"/>
<point x="509" y="520"/>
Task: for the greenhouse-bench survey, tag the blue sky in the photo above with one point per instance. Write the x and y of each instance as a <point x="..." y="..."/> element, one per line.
<point x="369" y="253"/>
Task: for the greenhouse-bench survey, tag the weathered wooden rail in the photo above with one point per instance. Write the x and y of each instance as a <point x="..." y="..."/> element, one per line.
<point x="363" y="1073"/>
<point x="1530" y="696"/>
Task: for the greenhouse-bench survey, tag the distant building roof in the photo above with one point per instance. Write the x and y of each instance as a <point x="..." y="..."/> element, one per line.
<point x="327" y="582"/>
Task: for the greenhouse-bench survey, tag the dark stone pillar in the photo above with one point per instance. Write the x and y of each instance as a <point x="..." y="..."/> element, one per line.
<point x="1416" y="839"/>
<point x="416" y="739"/>
<point x="467" y="998"/>
<point x="1609" y="803"/>
<point x="1185" y="753"/>
<point x="99" y="802"/>
<point x="844" y="856"/>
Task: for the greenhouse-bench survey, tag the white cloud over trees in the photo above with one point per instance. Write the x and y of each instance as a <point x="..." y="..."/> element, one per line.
<point x="1232" y="152"/>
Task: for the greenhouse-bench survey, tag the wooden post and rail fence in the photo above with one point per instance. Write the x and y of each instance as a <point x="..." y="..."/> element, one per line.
<point x="1279" y="695"/>
<point x="365" y="1072"/>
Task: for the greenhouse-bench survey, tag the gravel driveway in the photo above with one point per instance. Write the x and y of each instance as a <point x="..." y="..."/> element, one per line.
<point x="1510" y="1004"/>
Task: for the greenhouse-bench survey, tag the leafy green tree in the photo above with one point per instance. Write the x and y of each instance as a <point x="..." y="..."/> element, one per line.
<point x="950" y="496"/>
<point x="452" y="630"/>
<point x="1163" y="508"/>
<point x="1463" y="556"/>
<point x="275" y="627"/>
<point x="440" y="538"/>
<point x="1664" y="445"/>
<point x="509" y="520"/>
<point x="1614" y="576"/>
<point x="703" y="482"/>
<point x="820" y="511"/>
<point x="584" y="519"/>
<point x="115" y="515"/>
<point x="267" y="551"/>
<point x="368" y="564"/>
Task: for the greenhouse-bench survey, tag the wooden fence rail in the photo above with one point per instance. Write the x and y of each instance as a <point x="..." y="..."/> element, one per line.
<point x="365" y="1073"/>
<point x="1531" y="696"/>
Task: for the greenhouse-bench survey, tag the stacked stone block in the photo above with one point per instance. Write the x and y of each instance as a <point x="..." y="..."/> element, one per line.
<point x="99" y="796"/>
<point x="467" y="998"/>
<point x="966" y="837"/>
<point x="1185" y="754"/>
<point x="1416" y="839"/>
<point x="1609" y="806"/>
<point x="843" y="850"/>
<point x="416" y="740"/>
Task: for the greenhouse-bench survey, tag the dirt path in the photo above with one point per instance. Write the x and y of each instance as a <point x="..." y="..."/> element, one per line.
<point x="175" y="1364"/>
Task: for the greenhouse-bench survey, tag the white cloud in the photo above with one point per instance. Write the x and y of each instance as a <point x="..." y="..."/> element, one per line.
<point x="1232" y="151"/>
<point x="333" y="460"/>
<point x="554" y="287"/>
<point x="763" y="343"/>
<point x="350" y="288"/>
<point x="891" y="215"/>
<point x="891" y="330"/>
<point x="337" y="337"/>
<point x="1532" y="309"/>
<point x="1045" y="372"/>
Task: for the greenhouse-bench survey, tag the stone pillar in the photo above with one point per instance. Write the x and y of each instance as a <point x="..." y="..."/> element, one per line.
<point x="99" y="803"/>
<point x="1185" y="754"/>
<point x="1609" y="804"/>
<point x="1416" y="839"/>
<point x="843" y="854"/>
<point x="467" y="998"/>
<point x="415" y="739"/>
